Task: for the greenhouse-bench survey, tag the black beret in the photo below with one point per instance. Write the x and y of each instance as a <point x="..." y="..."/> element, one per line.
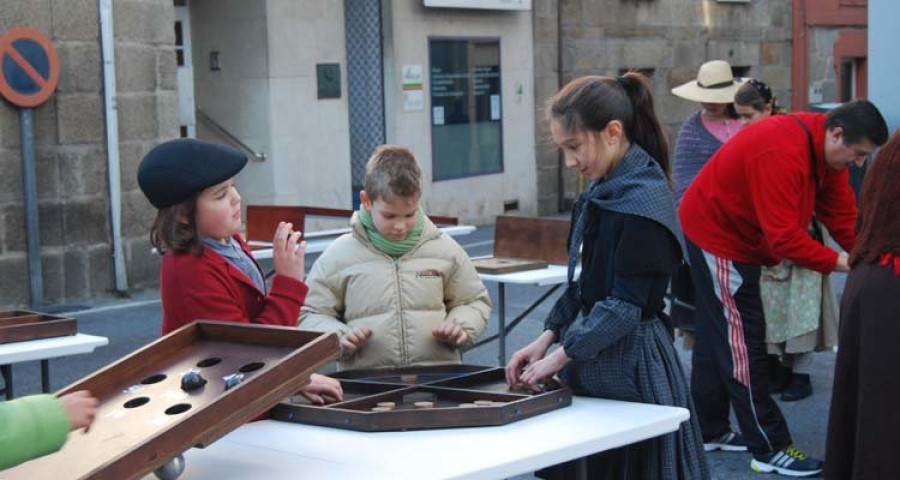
<point x="176" y="170"/>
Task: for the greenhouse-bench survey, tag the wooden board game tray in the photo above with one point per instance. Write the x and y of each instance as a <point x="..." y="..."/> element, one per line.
<point x="526" y="243"/>
<point x="474" y="398"/>
<point x="22" y="325"/>
<point x="496" y="265"/>
<point x="145" y="418"/>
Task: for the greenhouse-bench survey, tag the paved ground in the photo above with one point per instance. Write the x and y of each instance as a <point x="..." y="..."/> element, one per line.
<point x="130" y="324"/>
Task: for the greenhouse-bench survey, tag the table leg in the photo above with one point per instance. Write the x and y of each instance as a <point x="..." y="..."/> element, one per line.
<point x="45" y="376"/>
<point x="502" y="310"/>
<point x="6" y="372"/>
<point x="501" y="317"/>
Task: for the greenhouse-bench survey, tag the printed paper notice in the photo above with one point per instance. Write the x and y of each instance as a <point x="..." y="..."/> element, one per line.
<point x="413" y="94"/>
<point x="495" y="107"/>
<point x="437" y="115"/>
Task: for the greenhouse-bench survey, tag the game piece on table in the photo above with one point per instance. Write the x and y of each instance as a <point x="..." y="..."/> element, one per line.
<point x="382" y="409"/>
<point x="424" y="404"/>
<point x="191" y="381"/>
<point x="386" y="404"/>
<point x="467" y="405"/>
<point x="233" y="380"/>
<point x="409" y="378"/>
<point x="483" y="403"/>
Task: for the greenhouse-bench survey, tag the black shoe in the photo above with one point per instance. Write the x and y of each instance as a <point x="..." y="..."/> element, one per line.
<point x="729" y="442"/>
<point x="789" y="461"/>
<point x="798" y="389"/>
<point x="779" y="376"/>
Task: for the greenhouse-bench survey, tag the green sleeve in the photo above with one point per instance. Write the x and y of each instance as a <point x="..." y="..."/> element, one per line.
<point x="31" y="427"/>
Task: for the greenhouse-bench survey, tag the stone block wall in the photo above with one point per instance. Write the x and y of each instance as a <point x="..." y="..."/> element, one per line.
<point x="670" y="38"/>
<point x="70" y="148"/>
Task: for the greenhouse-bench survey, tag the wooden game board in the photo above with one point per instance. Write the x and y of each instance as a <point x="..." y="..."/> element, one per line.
<point x="526" y="243"/>
<point x="451" y="390"/>
<point x="20" y="325"/>
<point x="145" y="418"/>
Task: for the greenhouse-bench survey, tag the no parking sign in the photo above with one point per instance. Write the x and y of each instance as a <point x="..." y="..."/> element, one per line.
<point x="29" y="67"/>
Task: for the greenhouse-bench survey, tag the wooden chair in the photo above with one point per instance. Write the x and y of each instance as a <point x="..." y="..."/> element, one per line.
<point x="262" y="220"/>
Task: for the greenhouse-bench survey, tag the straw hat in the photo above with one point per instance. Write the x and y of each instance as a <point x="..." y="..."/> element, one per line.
<point x="714" y="84"/>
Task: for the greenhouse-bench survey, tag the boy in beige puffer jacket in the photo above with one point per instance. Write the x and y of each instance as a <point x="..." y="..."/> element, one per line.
<point x="397" y="289"/>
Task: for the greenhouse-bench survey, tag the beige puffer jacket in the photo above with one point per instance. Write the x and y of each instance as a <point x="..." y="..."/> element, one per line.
<point x="353" y="284"/>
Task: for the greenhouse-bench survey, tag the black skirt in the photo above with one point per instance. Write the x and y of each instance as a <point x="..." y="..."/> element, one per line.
<point x="864" y="421"/>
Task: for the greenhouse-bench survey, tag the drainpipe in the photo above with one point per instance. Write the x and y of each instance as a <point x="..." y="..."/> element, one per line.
<point x="560" y="167"/>
<point x="107" y="48"/>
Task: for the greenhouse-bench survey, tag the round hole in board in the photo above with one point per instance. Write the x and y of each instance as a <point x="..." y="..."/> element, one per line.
<point x="137" y="402"/>
<point x="209" y="362"/>
<point x="251" y="367"/>
<point x="179" y="408"/>
<point x="153" y="379"/>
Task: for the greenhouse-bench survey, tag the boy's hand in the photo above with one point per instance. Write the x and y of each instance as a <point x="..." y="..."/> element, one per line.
<point x="288" y="252"/>
<point x="80" y="407"/>
<point x="450" y="333"/>
<point x="355" y="339"/>
<point x="321" y="390"/>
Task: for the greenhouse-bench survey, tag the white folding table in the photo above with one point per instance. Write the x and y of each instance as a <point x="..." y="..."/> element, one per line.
<point x="277" y="450"/>
<point x="317" y="242"/>
<point x="553" y="275"/>
<point x="44" y="349"/>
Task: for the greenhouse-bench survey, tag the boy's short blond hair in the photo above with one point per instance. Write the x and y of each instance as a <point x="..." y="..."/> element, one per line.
<point x="392" y="171"/>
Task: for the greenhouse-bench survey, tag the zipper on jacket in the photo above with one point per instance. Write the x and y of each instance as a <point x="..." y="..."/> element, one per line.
<point x="403" y="353"/>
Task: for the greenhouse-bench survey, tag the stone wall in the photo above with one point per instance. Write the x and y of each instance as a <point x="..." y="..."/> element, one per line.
<point x="669" y="38"/>
<point x="70" y="148"/>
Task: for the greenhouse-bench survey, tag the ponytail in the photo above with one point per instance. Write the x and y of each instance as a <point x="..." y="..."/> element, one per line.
<point x="591" y="102"/>
<point x="644" y="128"/>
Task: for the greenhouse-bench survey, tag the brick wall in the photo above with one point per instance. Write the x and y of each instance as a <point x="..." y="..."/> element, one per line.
<point x="70" y="148"/>
<point x="672" y="37"/>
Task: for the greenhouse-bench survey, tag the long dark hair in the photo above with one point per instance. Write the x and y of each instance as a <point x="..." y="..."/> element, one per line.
<point x="591" y="102"/>
<point x="878" y="223"/>
<point x="175" y="229"/>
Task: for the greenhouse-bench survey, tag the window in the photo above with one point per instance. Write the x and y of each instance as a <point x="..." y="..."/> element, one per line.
<point x="466" y="126"/>
<point x="740" y="71"/>
<point x="848" y="80"/>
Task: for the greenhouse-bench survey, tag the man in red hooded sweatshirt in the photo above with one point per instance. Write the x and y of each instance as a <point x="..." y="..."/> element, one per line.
<point x="751" y="206"/>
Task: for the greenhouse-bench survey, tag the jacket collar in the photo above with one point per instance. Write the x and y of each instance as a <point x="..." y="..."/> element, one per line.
<point x="235" y="272"/>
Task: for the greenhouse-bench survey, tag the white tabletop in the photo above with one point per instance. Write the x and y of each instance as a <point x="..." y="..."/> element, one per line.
<point x="278" y="450"/>
<point x="317" y="242"/>
<point x="50" y="348"/>
<point x="552" y="275"/>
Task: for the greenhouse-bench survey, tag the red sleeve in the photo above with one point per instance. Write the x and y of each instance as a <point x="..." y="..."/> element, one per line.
<point x="836" y="208"/>
<point x="283" y="304"/>
<point x="213" y="294"/>
<point x="778" y="184"/>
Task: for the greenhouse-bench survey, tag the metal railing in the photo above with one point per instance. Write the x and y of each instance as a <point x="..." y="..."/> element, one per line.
<point x="258" y="156"/>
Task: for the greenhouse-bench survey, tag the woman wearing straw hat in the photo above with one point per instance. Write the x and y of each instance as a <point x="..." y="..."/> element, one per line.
<point x="698" y="139"/>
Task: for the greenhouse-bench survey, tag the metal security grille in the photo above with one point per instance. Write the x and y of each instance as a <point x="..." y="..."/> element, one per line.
<point x="365" y="84"/>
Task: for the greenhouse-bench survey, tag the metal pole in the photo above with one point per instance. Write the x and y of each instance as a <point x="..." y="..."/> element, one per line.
<point x="29" y="178"/>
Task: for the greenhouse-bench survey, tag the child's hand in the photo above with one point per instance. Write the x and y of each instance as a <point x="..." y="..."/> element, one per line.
<point x="288" y="257"/>
<point x="80" y="407"/>
<point x="355" y="339"/>
<point x="450" y="333"/>
<point x="321" y="390"/>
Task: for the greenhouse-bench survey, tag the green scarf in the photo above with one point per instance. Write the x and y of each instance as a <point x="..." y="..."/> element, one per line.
<point x="395" y="249"/>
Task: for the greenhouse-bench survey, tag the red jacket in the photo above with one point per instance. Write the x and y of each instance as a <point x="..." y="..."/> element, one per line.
<point x="209" y="287"/>
<point x="754" y="200"/>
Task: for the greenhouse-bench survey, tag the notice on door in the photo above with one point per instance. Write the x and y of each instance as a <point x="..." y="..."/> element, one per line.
<point x="413" y="93"/>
